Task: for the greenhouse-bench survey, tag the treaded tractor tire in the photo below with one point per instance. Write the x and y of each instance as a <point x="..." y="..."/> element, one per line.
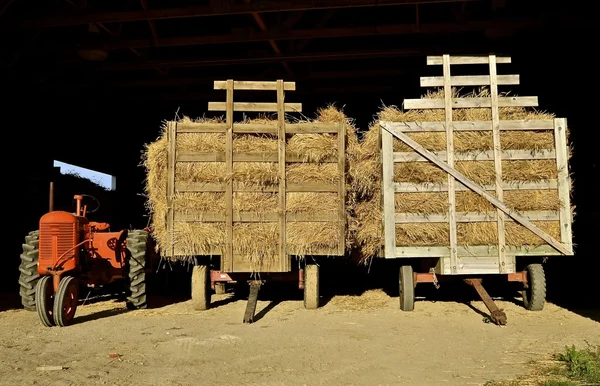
<point x="534" y="297"/>
<point x="137" y="244"/>
<point x="29" y="271"/>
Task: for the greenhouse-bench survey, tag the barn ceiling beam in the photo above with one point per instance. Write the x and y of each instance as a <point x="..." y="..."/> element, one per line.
<point x="206" y="96"/>
<point x="220" y="8"/>
<point x="308" y="57"/>
<point x="317" y="33"/>
<point x="192" y="81"/>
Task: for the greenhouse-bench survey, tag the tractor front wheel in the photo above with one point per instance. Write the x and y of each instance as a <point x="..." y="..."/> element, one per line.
<point x="29" y="275"/>
<point x="44" y="300"/>
<point x="137" y="245"/>
<point x="65" y="301"/>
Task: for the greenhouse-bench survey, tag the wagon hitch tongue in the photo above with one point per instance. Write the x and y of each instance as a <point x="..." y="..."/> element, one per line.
<point x="497" y="316"/>
<point x="252" y="299"/>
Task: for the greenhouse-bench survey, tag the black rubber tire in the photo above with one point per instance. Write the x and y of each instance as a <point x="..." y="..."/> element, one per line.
<point x="201" y="293"/>
<point x="44" y="300"/>
<point x="406" y="281"/>
<point x="137" y="245"/>
<point x="220" y="288"/>
<point x="311" y="286"/>
<point x="62" y="318"/>
<point x="29" y="275"/>
<point x="534" y="296"/>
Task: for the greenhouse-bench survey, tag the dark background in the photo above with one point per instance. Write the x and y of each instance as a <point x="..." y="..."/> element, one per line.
<point x="159" y="58"/>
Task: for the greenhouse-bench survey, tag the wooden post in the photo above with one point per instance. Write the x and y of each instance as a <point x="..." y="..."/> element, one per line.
<point x="284" y="259"/>
<point x="388" y="192"/>
<point x="564" y="183"/>
<point x="171" y="157"/>
<point x="227" y="259"/>
<point x="450" y="161"/>
<point x="342" y="186"/>
<point x="497" y="163"/>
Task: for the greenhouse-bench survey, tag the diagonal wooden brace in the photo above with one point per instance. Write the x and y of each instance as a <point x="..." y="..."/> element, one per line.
<point x="476" y="188"/>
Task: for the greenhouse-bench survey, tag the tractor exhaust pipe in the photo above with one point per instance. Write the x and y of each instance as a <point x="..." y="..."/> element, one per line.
<point x="51" y="203"/>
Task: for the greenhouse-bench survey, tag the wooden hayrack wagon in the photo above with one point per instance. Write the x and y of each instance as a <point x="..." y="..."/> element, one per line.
<point x="474" y="261"/>
<point x="230" y="266"/>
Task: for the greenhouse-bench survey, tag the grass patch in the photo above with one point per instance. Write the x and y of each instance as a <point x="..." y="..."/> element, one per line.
<point x="572" y="367"/>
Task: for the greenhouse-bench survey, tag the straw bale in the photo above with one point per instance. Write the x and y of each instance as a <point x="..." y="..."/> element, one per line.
<point x="258" y="242"/>
<point x="366" y="179"/>
<point x="476" y="233"/>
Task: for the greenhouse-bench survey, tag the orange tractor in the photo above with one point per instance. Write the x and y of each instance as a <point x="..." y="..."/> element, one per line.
<point x="69" y="252"/>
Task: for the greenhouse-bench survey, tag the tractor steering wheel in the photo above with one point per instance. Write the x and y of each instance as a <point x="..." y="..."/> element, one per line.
<point x="92" y="198"/>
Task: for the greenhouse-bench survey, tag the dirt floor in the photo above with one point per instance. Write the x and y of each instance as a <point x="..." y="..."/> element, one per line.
<point x="351" y="340"/>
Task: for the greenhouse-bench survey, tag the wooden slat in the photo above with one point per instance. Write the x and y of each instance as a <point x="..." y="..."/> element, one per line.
<point x="171" y="156"/>
<point x="479" y="190"/>
<point x="254" y="85"/>
<point x="255" y="128"/>
<point x="389" y="227"/>
<point x="284" y="262"/>
<point x="307" y="128"/>
<point x="256" y="217"/>
<point x="244" y="157"/>
<point x="242" y="187"/>
<point x="474" y="251"/>
<point x="254" y="106"/>
<point x="546" y="124"/>
<point x="475" y="265"/>
<point x="408" y="218"/>
<point x="497" y="163"/>
<point x="487" y="155"/>
<point x="564" y="183"/>
<point x="227" y="259"/>
<point x="202" y="128"/>
<point x="470" y="80"/>
<point x="407" y="187"/>
<point x="464" y="103"/>
<point x="437" y="60"/>
<point x="450" y="161"/>
<point x="342" y="189"/>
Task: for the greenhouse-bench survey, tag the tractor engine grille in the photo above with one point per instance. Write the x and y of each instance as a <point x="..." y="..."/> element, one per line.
<point x="65" y="239"/>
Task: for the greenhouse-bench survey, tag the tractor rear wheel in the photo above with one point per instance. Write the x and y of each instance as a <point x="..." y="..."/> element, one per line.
<point x="29" y="276"/>
<point x="137" y="245"/>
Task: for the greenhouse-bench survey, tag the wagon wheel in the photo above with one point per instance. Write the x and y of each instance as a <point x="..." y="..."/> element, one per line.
<point x="311" y="286"/>
<point x="407" y="288"/>
<point x="534" y="296"/>
<point x="201" y="287"/>
<point x="65" y="303"/>
<point x="44" y="300"/>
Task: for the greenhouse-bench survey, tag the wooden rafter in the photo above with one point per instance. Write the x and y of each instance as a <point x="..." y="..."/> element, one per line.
<point x="57" y="20"/>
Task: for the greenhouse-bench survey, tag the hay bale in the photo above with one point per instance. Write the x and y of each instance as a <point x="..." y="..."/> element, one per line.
<point x="258" y="242"/>
<point x="366" y="177"/>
